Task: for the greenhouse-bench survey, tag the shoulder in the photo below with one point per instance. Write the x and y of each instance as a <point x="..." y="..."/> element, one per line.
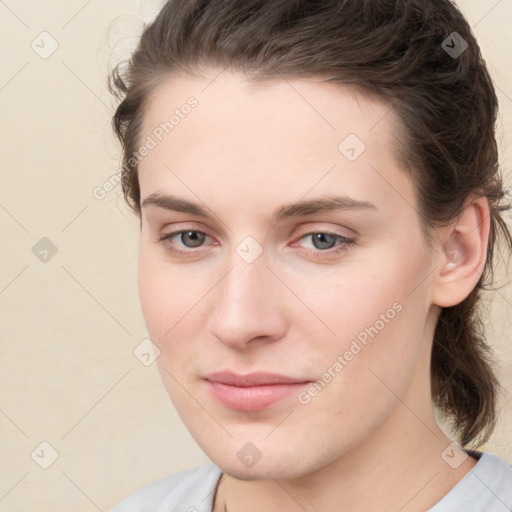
<point x="490" y="463"/>
<point x="494" y="475"/>
<point x="486" y="488"/>
<point x="188" y="491"/>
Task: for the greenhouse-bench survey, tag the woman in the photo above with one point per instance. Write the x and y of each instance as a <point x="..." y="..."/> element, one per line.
<point x="319" y="197"/>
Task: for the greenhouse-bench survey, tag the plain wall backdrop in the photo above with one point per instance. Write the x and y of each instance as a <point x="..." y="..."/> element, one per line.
<point x="70" y="315"/>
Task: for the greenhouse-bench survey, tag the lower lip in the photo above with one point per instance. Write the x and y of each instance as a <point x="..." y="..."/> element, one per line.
<point x="253" y="398"/>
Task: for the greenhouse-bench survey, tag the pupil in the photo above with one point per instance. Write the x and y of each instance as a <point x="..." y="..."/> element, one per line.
<point x="192" y="238"/>
<point x="323" y="240"/>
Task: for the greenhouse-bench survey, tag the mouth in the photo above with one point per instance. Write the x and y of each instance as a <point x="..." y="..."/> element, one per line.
<point x="254" y="391"/>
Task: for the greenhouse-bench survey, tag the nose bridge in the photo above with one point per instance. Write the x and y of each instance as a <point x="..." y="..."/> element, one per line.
<point x="246" y="304"/>
<point x="245" y="286"/>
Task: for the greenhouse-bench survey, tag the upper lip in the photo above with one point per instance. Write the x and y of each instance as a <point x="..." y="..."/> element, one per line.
<point x="252" y="379"/>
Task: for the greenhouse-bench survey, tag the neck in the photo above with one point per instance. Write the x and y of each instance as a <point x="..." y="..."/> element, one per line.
<point x="398" y="469"/>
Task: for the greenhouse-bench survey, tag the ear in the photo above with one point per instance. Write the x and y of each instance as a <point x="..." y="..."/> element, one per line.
<point x="462" y="254"/>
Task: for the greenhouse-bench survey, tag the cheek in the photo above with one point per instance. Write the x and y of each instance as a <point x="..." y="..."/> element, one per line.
<point x="368" y="309"/>
<point x="343" y="300"/>
<point x="167" y="294"/>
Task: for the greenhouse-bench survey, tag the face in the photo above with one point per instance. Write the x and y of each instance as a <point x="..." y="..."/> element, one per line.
<point x="280" y="246"/>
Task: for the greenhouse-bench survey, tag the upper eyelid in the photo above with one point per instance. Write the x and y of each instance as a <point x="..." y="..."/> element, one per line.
<point x="308" y="230"/>
<point x="326" y="231"/>
<point x="301" y="234"/>
<point x="302" y="230"/>
<point x="177" y="231"/>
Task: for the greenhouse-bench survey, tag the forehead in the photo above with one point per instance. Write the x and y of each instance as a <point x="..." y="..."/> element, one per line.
<point x="228" y="100"/>
<point x="278" y="138"/>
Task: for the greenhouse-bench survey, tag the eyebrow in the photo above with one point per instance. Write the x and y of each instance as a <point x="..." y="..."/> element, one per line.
<point x="297" y="209"/>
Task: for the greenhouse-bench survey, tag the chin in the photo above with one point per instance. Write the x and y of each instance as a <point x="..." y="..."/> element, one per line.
<point x="261" y="471"/>
<point x="288" y="464"/>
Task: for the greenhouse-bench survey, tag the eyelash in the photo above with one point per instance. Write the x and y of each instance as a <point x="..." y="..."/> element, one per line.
<point x="343" y="246"/>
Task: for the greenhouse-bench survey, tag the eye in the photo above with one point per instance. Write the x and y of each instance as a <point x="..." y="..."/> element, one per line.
<point x="183" y="243"/>
<point x="189" y="242"/>
<point x="191" y="238"/>
<point x="324" y="243"/>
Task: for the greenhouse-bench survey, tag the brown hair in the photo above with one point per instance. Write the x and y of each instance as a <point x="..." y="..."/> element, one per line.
<point x="397" y="49"/>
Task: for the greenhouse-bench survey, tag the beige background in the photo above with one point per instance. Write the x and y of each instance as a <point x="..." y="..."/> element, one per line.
<point x="69" y="326"/>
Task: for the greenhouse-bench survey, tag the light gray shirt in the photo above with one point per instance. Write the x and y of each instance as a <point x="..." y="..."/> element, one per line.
<point x="486" y="488"/>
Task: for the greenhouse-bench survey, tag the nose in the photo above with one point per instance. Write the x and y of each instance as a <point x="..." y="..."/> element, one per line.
<point x="248" y="305"/>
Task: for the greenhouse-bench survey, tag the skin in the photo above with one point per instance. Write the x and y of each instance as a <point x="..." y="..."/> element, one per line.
<point x="243" y="152"/>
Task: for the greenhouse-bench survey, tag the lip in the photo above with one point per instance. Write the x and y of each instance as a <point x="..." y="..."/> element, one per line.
<point x="253" y="391"/>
